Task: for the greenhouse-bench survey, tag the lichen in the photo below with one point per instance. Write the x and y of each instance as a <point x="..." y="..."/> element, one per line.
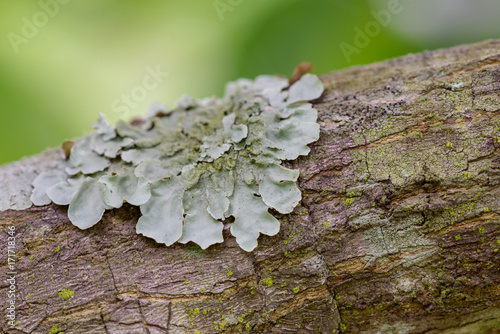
<point x="66" y="293"/>
<point x="268" y="281"/>
<point x="55" y="330"/>
<point x="193" y="312"/>
<point x="192" y="167"/>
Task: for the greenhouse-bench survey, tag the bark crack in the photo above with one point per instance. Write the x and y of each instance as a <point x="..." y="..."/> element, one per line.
<point x="366" y="158"/>
<point x="111" y="272"/>
<point x="146" y="329"/>
<point x="169" y="319"/>
<point x="383" y="240"/>
<point x="104" y="323"/>
<point x="162" y="329"/>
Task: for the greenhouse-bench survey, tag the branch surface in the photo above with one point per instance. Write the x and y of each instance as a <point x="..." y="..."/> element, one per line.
<point x="397" y="232"/>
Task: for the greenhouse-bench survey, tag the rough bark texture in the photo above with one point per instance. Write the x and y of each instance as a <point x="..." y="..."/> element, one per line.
<point x="398" y="230"/>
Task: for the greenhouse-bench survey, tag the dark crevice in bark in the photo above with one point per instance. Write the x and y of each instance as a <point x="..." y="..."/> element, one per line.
<point x="104" y="323"/>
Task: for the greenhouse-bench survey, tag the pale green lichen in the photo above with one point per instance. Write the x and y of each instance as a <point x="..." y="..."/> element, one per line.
<point x="192" y="167"/>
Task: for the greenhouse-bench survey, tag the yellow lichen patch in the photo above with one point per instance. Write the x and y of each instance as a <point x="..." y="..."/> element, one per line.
<point x="221" y="325"/>
<point x="460" y="210"/>
<point x="268" y="281"/>
<point x="349" y="201"/>
<point x="66" y="293"/>
<point x="55" y="330"/>
<point x="193" y="312"/>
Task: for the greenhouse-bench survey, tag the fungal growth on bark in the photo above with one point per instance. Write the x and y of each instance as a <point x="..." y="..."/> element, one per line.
<point x="191" y="167"/>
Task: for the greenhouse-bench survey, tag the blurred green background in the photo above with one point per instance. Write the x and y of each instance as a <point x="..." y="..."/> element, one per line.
<point x="62" y="62"/>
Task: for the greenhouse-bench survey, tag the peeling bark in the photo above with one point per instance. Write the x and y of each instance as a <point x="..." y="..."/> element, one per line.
<point x="397" y="232"/>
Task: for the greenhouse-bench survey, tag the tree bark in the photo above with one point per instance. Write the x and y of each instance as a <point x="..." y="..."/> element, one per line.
<point x="397" y="232"/>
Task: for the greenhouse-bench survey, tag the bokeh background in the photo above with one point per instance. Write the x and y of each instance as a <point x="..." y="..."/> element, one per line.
<point x="62" y="62"/>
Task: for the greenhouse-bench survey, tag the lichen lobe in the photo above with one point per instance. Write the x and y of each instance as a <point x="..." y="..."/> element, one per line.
<point x="192" y="167"/>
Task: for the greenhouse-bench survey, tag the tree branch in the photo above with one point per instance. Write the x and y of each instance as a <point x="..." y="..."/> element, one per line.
<point x="397" y="232"/>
